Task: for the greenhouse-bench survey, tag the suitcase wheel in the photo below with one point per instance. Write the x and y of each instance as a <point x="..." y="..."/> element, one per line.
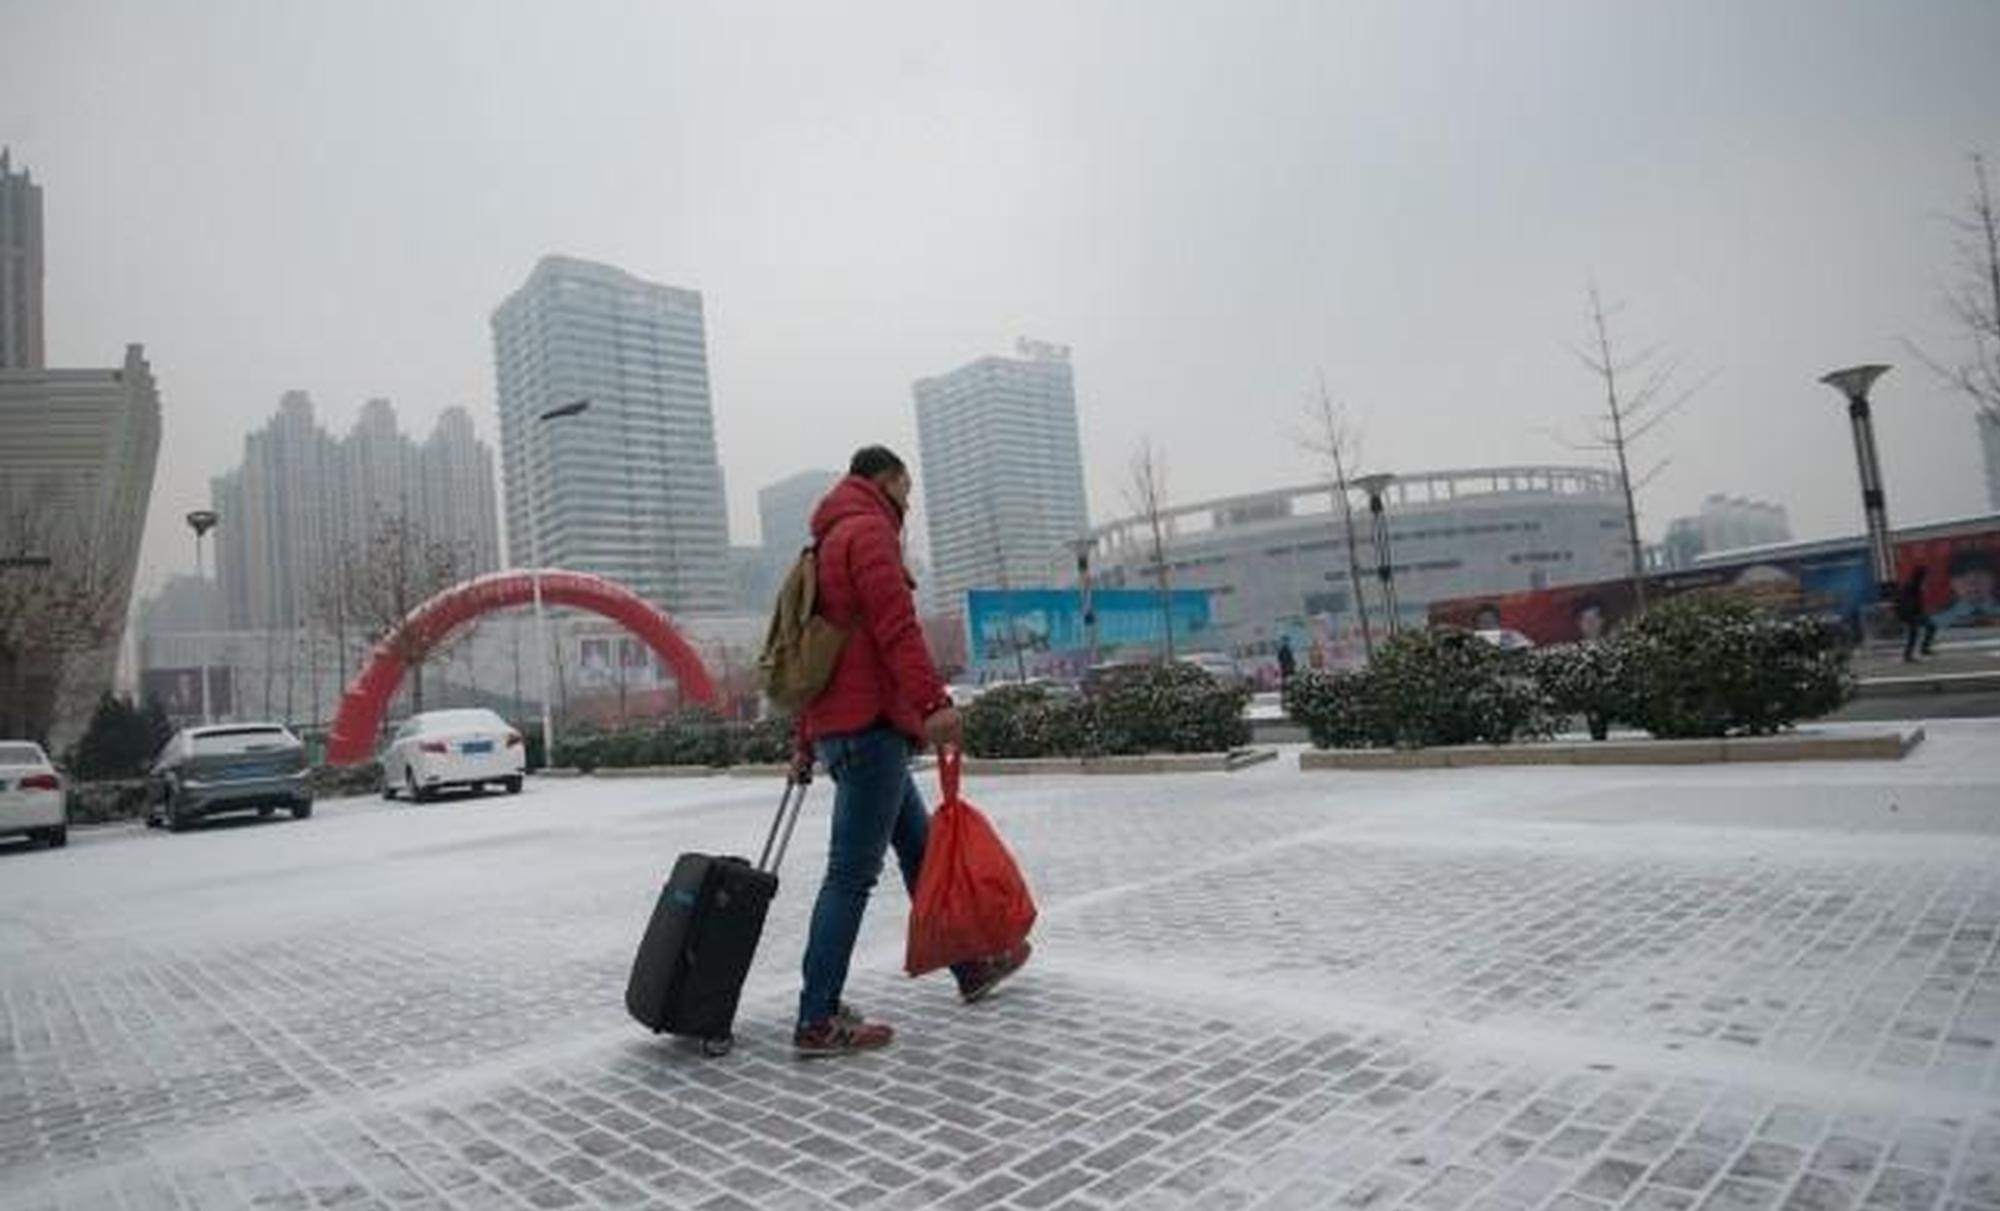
<point x="716" y="1048"/>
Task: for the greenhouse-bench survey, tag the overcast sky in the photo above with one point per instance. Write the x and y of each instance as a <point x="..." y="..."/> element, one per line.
<point x="1209" y="201"/>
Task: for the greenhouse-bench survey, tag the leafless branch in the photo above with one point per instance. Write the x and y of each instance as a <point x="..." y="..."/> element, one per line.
<point x="59" y="599"/>
<point x="1146" y="494"/>
<point x="1642" y="391"/>
<point x="1333" y="438"/>
<point x="1974" y="300"/>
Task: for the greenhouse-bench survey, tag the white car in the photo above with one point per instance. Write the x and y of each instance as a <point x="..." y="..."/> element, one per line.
<point x="1507" y="641"/>
<point x="1223" y="668"/>
<point x="440" y="749"/>
<point x="31" y="795"/>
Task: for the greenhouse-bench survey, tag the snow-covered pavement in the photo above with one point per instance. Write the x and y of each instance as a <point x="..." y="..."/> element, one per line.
<point x="1732" y="989"/>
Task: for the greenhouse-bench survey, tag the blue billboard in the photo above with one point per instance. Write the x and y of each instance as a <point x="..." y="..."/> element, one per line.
<point x="1043" y="631"/>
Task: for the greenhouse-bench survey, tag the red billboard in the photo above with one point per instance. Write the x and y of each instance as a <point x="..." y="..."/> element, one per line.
<point x="1830" y="579"/>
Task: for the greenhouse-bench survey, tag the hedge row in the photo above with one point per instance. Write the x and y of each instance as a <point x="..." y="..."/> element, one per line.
<point x="1700" y="665"/>
<point x="690" y="737"/>
<point x="1144" y="709"/>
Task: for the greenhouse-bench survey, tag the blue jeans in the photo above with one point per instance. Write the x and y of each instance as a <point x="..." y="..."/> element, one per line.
<point x="875" y="805"/>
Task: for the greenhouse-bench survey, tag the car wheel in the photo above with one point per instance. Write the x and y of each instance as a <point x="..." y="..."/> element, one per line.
<point x="57" y="837"/>
<point x="301" y="811"/>
<point x="176" y="823"/>
<point x="514" y="785"/>
<point x="417" y="793"/>
<point x="388" y="786"/>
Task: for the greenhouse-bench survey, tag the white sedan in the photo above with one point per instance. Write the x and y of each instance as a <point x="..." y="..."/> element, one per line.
<point x="439" y="749"/>
<point x="31" y="795"/>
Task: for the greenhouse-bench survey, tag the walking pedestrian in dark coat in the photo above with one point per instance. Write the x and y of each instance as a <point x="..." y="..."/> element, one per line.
<point x="1910" y="612"/>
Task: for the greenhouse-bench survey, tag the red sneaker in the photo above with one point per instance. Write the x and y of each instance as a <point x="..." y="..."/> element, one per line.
<point x="988" y="973"/>
<point x="840" y="1034"/>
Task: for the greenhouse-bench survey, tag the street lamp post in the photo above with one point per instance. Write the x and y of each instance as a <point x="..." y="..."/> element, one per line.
<point x="1853" y="383"/>
<point x="201" y="521"/>
<point x="558" y="412"/>
<point x="1375" y="486"/>
<point x="1081" y="548"/>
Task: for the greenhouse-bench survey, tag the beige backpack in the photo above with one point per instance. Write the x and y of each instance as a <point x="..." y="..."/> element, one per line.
<point x="801" y="648"/>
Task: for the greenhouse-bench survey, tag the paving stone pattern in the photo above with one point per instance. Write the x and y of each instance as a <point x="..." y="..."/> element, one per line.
<point x="1259" y="990"/>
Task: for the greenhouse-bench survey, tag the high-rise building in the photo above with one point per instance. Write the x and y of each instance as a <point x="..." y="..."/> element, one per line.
<point x="629" y="489"/>
<point x="20" y="268"/>
<point x="785" y="508"/>
<point x="1002" y="469"/>
<point x="303" y="500"/>
<point x="1725" y="523"/>
<point x="1989" y="442"/>
<point x="77" y="454"/>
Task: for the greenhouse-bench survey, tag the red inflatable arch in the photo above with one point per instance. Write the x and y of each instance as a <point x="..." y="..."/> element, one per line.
<point x="354" y="726"/>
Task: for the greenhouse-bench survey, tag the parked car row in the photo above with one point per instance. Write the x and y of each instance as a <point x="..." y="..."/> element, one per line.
<point x="261" y="767"/>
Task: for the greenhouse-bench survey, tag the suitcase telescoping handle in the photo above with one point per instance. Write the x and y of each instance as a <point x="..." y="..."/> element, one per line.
<point x="789" y="805"/>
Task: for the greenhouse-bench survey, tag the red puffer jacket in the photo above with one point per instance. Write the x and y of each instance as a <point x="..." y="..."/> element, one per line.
<point x="885" y="674"/>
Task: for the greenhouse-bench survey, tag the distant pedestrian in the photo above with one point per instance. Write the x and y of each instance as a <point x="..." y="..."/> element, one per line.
<point x="885" y="701"/>
<point x="1288" y="661"/>
<point x="1910" y="612"/>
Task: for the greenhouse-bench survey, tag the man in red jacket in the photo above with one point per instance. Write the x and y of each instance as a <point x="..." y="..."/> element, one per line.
<point x="884" y="702"/>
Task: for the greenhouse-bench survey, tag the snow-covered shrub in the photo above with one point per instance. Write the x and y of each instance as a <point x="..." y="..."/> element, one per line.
<point x="765" y="742"/>
<point x="1168" y="708"/>
<point x="1143" y="709"/>
<point x="1338" y="710"/>
<point x="1583" y="679"/>
<point x="1028" y="721"/>
<point x="1431" y="687"/>
<point x="693" y="735"/>
<point x="1710" y="664"/>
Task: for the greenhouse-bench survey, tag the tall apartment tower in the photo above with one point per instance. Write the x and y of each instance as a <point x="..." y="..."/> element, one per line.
<point x="77" y="453"/>
<point x="20" y="268"/>
<point x="785" y="509"/>
<point x="1002" y="473"/>
<point x="303" y="501"/>
<point x="630" y="489"/>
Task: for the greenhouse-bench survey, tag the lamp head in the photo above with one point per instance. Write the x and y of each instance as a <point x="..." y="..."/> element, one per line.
<point x="1375" y="484"/>
<point x="1854" y="381"/>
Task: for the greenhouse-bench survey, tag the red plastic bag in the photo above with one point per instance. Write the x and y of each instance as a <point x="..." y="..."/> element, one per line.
<point x="971" y="901"/>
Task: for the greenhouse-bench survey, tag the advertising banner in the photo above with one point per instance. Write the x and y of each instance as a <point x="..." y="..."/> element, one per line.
<point x="1043" y="630"/>
<point x="1961" y="589"/>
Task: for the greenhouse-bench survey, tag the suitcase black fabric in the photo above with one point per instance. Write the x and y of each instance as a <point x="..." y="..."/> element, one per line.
<point x="689" y="972"/>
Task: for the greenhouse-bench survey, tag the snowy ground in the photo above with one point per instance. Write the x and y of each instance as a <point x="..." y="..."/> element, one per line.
<point x="1732" y="989"/>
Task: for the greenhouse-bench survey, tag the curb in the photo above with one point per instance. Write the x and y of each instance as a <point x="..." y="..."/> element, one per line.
<point x="1868" y="746"/>
<point x="1152" y="763"/>
<point x="1934" y="683"/>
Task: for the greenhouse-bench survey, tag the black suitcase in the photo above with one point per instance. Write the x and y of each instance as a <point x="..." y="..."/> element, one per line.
<point x="689" y="972"/>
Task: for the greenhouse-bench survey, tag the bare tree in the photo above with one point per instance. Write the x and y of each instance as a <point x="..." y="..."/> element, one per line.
<point x="1974" y="299"/>
<point x="1332" y="437"/>
<point x="394" y="571"/>
<point x="327" y="605"/>
<point x="58" y="603"/>
<point x="1640" y="393"/>
<point x="1146" y="495"/>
